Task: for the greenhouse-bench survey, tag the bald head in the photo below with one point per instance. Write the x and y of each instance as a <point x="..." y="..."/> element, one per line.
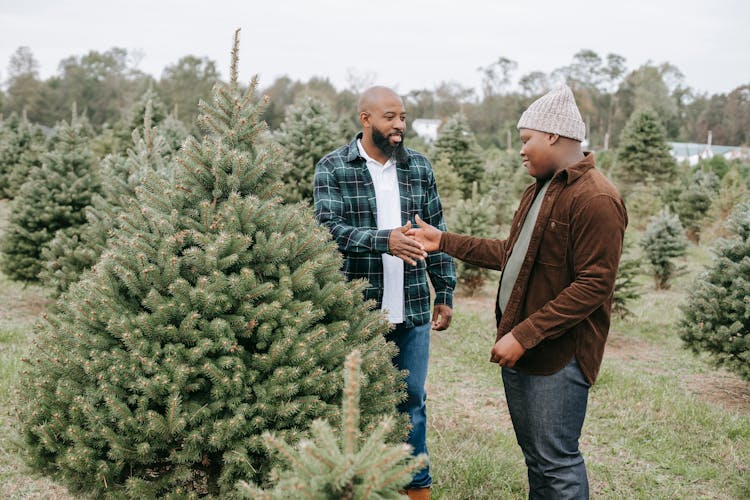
<point x="375" y="97"/>
<point x="383" y="120"/>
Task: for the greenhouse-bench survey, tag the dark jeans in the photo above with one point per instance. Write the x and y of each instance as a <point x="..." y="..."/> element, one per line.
<point x="547" y="414"/>
<point x="414" y="351"/>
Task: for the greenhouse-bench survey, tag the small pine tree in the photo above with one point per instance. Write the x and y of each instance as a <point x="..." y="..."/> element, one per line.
<point x="53" y="198"/>
<point x="716" y="317"/>
<point x="694" y="201"/>
<point x="22" y="146"/>
<point x="663" y="241"/>
<point x="460" y="147"/>
<point x="472" y="217"/>
<point x="643" y="153"/>
<point x="74" y="250"/>
<point x="341" y="466"/>
<point x="215" y="314"/>
<point x="627" y="289"/>
<point x="308" y="133"/>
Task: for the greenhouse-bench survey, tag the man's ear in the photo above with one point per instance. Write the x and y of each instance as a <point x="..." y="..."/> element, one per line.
<point x="364" y="119"/>
<point x="552" y="139"/>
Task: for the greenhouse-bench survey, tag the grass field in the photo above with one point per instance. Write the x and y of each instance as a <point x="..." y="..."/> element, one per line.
<point x="662" y="423"/>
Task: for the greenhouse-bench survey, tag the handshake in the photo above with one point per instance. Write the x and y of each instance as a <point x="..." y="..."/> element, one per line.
<point x="413" y="243"/>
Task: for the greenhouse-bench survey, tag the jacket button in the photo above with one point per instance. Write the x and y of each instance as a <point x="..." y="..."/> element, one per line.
<point x="552" y="225"/>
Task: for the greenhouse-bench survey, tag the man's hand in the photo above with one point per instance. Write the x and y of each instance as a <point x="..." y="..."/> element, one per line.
<point x="441" y="317"/>
<point x="429" y="236"/>
<point x="405" y="248"/>
<point x="506" y="351"/>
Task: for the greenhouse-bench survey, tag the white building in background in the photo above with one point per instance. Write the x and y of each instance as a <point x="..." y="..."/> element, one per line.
<point x="693" y="152"/>
<point x="426" y="128"/>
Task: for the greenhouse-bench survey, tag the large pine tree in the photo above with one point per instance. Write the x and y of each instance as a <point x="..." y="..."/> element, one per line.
<point x="53" y="198"/>
<point x="216" y="314"/>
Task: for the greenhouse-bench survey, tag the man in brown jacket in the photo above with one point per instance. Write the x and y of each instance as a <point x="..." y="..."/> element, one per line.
<point x="554" y="299"/>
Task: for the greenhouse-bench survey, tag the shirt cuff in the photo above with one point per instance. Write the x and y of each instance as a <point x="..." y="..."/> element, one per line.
<point x="380" y="243"/>
<point x="527" y="334"/>
<point x="444" y="297"/>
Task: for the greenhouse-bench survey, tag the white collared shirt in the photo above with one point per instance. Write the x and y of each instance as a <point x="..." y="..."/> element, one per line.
<point x="388" y="203"/>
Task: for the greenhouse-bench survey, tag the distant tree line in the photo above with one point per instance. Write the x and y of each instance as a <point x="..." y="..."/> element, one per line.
<point x="106" y="84"/>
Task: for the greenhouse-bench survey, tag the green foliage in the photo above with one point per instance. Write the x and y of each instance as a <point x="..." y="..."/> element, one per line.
<point x="643" y="154"/>
<point x="503" y="181"/>
<point x="73" y="251"/>
<point x="309" y="132"/>
<point x="694" y="201"/>
<point x="215" y="314"/>
<point x="643" y="203"/>
<point x="53" y="198"/>
<point x="22" y="146"/>
<point x="342" y="463"/>
<point x="184" y="83"/>
<point x="472" y="217"/>
<point x="663" y="240"/>
<point x="458" y="144"/>
<point x="717" y="165"/>
<point x="606" y="161"/>
<point x="627" y="290"/>
<point x="716" y="317"/>
<point x="448" y="182"/>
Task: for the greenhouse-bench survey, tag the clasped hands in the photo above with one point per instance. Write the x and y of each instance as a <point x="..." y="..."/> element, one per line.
<point x="413" y="243"/>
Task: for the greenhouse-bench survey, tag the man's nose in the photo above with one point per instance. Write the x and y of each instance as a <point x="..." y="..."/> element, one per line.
<point x="399" y="124"/>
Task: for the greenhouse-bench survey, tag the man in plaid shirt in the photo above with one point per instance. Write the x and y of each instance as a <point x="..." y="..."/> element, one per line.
<point x="367" y="193"/>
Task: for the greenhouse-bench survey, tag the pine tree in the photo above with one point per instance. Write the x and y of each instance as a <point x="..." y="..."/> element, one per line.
<point x="460" y="147"/>
<point x="343" y="465"/>
<point x="663" y="241"/>
<point x="308" y="133"/>
<point x="22" y="146"/>
<point x="627" y="289"/>
<point x="643" y="153"/>
<point x="215" y="314"/>
<point x="53" y="198"/>
<point x="76" y="249"/>
<point x="694" y="201"/>
<point x="716" y="317"/>
<point x="472" y="217"/>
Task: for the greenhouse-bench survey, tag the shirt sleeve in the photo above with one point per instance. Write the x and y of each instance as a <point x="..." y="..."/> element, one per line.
<point x="440" y="266"/>
<point x="597" y="234"/>
<point x="329" y="211"/>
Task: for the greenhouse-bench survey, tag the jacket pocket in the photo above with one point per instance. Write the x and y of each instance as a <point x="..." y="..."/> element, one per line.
<point x="553" y="250"/>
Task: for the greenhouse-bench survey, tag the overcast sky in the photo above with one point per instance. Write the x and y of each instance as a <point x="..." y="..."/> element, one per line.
<point x="406" y="44"/>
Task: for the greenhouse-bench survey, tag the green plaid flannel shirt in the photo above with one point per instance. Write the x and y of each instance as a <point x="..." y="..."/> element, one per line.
<point x="345" y="203"/>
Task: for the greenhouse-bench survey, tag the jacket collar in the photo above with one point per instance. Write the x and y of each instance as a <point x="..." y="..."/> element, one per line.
<point x="575" y="171"/>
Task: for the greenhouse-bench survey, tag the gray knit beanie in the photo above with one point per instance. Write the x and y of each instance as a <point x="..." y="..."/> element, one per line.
<point x="555" y="112"/>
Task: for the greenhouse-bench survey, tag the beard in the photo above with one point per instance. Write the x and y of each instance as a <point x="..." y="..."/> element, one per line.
<point x="397" y="153"/>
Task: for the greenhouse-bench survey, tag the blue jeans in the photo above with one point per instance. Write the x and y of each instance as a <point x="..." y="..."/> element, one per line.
<point x="547" y="414"/>
<point x="413" y="353"/>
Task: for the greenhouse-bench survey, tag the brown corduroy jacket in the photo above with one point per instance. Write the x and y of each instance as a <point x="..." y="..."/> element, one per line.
<point x="561" y="304"/>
